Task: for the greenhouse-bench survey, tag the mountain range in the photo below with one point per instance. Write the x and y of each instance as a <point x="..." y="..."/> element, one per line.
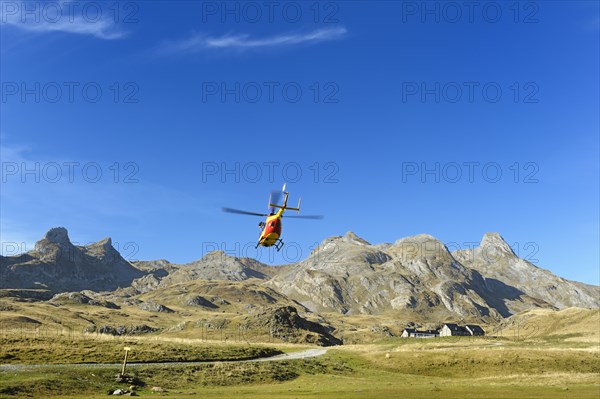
<point x="345" y="275"/>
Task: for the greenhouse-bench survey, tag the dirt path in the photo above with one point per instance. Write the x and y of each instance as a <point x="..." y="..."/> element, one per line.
<point x="305" y="354"/>
<point x="292" y="356"/>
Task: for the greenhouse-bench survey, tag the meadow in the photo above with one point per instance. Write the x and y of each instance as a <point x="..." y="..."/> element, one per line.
<point x="540" y="367"/>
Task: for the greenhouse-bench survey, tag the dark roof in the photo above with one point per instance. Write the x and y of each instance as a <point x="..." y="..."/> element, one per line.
<point x="457" y="328"/>
<point x="410" y="330"/>
<point x="475" y="328"/>
<point x="453" y="326"/>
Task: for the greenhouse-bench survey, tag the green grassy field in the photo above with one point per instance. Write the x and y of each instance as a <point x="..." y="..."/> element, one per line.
<point x="56" y="350"/>
<point x="392" y="368"/>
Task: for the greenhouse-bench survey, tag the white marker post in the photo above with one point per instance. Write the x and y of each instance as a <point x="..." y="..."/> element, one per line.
<point x="127" y="349"/>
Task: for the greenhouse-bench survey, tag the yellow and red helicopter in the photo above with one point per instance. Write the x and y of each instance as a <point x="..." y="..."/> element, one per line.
<point x="270" y="234"/>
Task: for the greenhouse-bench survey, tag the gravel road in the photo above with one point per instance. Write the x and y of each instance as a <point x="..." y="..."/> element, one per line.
<point x="305" y="354"/>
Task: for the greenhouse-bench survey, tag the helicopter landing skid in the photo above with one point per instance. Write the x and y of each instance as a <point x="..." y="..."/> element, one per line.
<point x="278" y="244"/>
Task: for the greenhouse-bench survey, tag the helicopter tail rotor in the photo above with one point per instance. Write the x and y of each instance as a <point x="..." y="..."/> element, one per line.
<point x="275" y="197"/>
<point x="274" y="204"/>
<point x="274" y="200"/>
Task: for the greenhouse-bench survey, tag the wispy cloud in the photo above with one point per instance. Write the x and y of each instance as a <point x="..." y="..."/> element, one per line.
<point x="199" y="42"/>
<point x="104" y="28"/>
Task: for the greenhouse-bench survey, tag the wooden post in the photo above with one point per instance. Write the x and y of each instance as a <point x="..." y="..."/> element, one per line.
<point x="127" y="349"/>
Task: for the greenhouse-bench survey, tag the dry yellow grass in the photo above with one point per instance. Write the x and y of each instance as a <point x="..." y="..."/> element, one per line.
<point x="571" y="324"/>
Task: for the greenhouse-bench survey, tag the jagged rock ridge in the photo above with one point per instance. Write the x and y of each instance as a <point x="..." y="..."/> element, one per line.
<point x="496" y="260"/>
<point x="344" y="274"/>
<point x="418" y="274"/>
<point x="58" y="265"/>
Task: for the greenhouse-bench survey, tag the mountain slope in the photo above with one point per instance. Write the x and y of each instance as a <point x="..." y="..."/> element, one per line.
<point x="572" y="324"/>
<point x="214" y="266"/>
<point x="55" y="263"/>
<point x="496" y="260"/>
<point x="418" y="274"/>
<point x="415" y="274"/>
<point x="58" y="265"/>
<point x="345" y="275"/>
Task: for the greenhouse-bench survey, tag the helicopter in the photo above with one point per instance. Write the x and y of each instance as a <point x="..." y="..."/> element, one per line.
<point x="270" y="234"/>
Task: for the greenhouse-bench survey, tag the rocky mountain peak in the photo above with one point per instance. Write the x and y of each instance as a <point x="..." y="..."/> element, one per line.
<point x="104" y="250"/>
<point x="58" y="235"/>
<point x="492" y="246"/>
<point x="55" y="243"/>
<point x="62" y="266"/>
<point x="217" y="257"/>
<point x="419" y="238"/>
<point x="352" y="238"/>
<point x="106" y="242"/>
<point x="505" y="272"/>
<point x="218" y="254"/>
<point x="419" y="246"/>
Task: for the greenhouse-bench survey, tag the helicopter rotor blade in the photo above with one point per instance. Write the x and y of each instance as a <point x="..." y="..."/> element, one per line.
<point x="240" y="212"/>
<point x="314" y="217"/>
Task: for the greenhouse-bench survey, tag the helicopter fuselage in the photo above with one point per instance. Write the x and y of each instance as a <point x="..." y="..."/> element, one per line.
<point x="271" y="230"/>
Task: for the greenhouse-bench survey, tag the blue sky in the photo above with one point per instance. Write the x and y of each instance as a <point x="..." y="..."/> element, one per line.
<point x="140" y="121"/>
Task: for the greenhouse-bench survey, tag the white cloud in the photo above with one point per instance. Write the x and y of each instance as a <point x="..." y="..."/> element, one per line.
<point x="199" y="42"/>
<point x="104" y="28"/>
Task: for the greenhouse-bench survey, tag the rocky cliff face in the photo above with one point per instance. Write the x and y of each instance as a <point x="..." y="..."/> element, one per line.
<point x="503" y="268"/>
<point x="214" y="266"/>
<point x="418" y="274"/>
<point x="286" y="324"/>
<point x="58" y="265"/>
<point x="345" y="274"/>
